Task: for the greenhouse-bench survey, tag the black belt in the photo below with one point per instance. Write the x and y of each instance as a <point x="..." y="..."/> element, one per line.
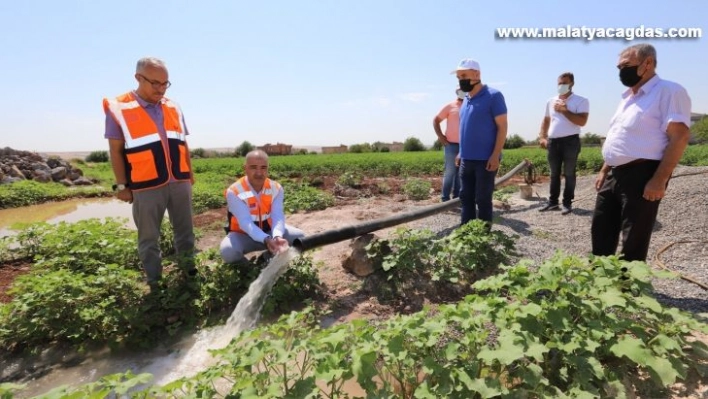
<point x="632" y="163"/>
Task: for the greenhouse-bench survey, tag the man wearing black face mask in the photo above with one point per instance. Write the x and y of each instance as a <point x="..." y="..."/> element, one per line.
<point x="647" y="137"/>
<point x="483" y="126"/>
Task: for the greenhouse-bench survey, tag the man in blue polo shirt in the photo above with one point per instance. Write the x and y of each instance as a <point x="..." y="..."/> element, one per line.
<point x="483" y="127"/>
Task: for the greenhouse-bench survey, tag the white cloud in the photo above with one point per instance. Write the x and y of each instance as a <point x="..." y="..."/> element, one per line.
<point x="382" y="101"/>
<point x="414" y="97"/>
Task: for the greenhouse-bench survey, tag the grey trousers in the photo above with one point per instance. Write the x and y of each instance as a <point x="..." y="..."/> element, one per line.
<point x="235" y="245"/>
<point x="149" y="208"/>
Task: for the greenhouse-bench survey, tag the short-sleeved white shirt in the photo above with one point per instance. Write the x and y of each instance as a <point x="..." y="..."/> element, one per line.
<point x="560" y="126"/>
<point x="638" y="128"/>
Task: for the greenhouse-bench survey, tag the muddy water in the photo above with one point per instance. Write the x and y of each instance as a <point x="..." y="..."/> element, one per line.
<point x="166" y="364"/>
<point x="64" y="211"/>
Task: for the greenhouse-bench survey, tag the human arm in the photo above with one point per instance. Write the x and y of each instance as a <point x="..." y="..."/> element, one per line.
<point x="677" y="117"/>
<point x="277" y="244"/>
<point x="579" y="118"/>
<point x="601" y="176"/>
<point x="240" y="210"/>
<point x="442" y="115"/>
<point x="679" y="135"/>
<point x="495" y="159"/>
<point x="116" y="148"/>
<point x="543" y="135"/>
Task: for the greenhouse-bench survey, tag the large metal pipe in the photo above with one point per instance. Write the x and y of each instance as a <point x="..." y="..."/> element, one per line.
<point x="347" y="232"/>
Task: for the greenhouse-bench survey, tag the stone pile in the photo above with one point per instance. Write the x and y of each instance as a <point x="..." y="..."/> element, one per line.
<point x="16" y="165"/>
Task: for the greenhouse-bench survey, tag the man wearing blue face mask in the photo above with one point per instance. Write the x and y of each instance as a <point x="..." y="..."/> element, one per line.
<point x="483" y="127"/>
<point x="647" y="137"/>
<point x="560" y="134"/>
<point x="451" y="144"/>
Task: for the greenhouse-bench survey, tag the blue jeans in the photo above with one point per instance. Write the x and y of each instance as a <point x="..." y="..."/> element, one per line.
<point x="451" y="178"/>
<point x="476" y="190"/>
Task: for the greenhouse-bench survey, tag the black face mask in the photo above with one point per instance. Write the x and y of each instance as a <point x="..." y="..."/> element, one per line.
<point x="466" y="85"/>
<point x="629" y="76"/>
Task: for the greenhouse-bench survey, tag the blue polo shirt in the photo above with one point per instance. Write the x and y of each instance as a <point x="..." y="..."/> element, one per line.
<point x="478" y="130"/>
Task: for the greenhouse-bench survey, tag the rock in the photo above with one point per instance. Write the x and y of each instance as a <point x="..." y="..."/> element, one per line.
<point x="16" y="172"/>
<point x="58" y="173"/>
<point x="82" y="181"/>
<point x="10" y="179"/>
<point x="501" y="205"/>
<point x="54" y="162"/>
<point x="66" y="182"/>
<point x="359" y="263"/>
<point x="42" y="177"/>
<point x="21" y="165"/>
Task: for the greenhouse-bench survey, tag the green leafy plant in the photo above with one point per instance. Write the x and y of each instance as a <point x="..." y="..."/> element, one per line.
<point x="417" y="189"/>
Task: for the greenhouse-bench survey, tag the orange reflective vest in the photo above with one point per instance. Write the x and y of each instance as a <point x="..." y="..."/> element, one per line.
<point x="259" y="210"/>
<point x="149" y="161"/>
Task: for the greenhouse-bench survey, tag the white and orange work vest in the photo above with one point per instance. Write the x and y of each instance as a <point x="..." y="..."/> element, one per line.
<point x="259" y="209"/>
<point x="150" y="162"/>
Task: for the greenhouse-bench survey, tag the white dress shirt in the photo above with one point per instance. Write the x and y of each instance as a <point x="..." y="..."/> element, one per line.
<point x="560" y="126"/>
<point x="638" y="128"/>
<point x="240" y="210"/>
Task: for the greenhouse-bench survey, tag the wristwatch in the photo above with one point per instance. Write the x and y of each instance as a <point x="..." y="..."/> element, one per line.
<point x="119" y="187"/>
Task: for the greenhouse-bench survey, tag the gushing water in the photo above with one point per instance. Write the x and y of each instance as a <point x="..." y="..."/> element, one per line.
<point x="244" y="317"/>
<point x="185" y="359"/>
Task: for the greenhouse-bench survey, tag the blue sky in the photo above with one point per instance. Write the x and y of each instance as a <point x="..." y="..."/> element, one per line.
<point x="314" y="73"/>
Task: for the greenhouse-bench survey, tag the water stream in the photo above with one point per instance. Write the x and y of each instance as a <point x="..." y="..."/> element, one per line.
<point x="184" y="359"/>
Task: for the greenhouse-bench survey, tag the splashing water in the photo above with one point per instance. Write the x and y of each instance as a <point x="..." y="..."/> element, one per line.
<point x="244" y="317"/>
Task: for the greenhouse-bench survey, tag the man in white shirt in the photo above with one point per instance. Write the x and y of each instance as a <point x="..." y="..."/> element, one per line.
<point x="647" y="137"/>
<point x="255" y="219"/>
<point x="560" y="134"/>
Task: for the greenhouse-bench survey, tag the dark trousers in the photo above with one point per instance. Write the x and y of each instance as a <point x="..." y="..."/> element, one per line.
<point x="476" y="189"/>
<point x="563" y="156"/>
<point x="620" y="208"/>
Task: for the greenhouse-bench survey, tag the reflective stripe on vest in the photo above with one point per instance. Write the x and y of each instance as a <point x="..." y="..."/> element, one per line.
<point x="259" y="210"/>
<point x="150" y="162"/>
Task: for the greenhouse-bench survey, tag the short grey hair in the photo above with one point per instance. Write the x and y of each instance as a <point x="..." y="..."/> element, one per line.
<point x="149" y="61"/>
<point x="643" y="50"/>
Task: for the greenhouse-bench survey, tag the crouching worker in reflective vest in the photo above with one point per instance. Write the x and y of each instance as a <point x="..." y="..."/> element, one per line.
<point x="256" y="220"/>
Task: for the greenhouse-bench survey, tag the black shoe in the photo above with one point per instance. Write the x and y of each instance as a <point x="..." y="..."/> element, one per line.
<point x="567" y="209"/>
<point x="549" y="207"/>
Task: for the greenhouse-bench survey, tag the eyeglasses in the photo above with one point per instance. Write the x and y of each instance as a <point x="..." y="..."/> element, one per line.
<point x="156" y="84"/>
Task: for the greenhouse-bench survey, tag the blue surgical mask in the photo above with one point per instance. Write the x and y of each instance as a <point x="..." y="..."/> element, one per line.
<point x="563" y="89"/>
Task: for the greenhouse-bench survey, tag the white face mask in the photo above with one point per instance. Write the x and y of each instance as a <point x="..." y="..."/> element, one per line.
<point x="563" y="89"/>
<point x="461" y="94"/>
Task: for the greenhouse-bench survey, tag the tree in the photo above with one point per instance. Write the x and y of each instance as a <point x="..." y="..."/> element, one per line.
<point x="437" y="146"/>
<point x="413" y="144"/>
<point x="591" y="139"/>
<point x="699" y="130"/>
<point x="359" y="148"/>
<point x="97" y="156"/>
<point x="244" y="148"/>
<point x="514" y="141"/>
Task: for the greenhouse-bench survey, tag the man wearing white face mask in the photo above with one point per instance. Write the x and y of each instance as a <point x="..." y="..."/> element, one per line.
<point x="451" y="142"/>
<point x="560" y="134"/>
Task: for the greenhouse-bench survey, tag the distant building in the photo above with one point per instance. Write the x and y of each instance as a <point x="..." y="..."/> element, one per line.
<point x="335" y="150"/>
<point x="393" y="147"/>
<point x="277" y="149"/>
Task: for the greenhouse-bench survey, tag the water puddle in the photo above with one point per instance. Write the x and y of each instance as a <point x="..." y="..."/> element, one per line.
<point x="69" y="211"/>
<point x="184" y="359"/>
